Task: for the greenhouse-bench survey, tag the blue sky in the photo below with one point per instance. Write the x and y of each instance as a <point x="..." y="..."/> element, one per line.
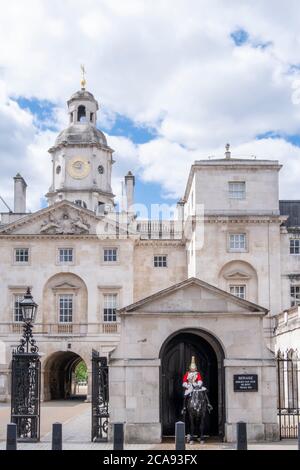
<point x="145" y="193"/>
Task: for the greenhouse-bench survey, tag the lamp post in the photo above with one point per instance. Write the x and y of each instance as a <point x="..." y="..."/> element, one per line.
<point x="28" y="309"/>
<point x="26" y="377"/>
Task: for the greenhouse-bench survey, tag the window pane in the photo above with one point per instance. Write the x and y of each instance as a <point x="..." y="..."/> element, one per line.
<point x="237" y="241"/>
<point x="237" y="190"/>
<point x="110" y="306"/>
<point x="110" y="254"/>
<point x="160" y="261"/>
<point x="17" y="312"/>
<point x="238" y="291"/>
<point x="295" y="295"/>
<point x="65" y="255"/>
<point x="295" y="246"/>
<point x="66" y="308"/>
<point x="22" y="255"/>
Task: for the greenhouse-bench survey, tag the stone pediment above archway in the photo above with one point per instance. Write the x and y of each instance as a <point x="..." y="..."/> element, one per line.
<point x="63" y="218"/>
<point x="193" y="296"/>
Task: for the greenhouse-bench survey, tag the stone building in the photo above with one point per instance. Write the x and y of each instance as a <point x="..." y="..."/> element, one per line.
<point x="148" y="294"/>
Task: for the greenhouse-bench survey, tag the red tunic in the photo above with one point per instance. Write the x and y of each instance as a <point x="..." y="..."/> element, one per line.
<point x="185" y="377"/>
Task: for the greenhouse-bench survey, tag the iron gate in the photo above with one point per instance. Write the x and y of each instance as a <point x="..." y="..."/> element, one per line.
<point x="288" y="374"/>
<point x="100" y="397"/>
<point x="25" y="395"/>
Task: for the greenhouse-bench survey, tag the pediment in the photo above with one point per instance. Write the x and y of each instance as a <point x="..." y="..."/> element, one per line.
<point x="192" y="296"/>
<point x="63" y="218"/>
<point x="64" y="286"/>
<point x="235" y="275"/>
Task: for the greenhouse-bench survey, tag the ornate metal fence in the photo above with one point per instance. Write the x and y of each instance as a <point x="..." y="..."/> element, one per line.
<point x="288" y="373"/>
<point x="25" y="395"/>
<point x="100" y="398"/>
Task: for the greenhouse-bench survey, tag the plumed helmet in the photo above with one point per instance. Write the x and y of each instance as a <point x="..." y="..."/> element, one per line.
<point x="193" y="366"/>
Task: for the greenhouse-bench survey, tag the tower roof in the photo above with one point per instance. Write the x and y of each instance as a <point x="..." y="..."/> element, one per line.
<point x="83" y="95"/>
<point x="81" y="134"/>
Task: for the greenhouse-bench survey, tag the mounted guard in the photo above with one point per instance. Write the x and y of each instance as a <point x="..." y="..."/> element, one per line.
<point x="196" y="401"/>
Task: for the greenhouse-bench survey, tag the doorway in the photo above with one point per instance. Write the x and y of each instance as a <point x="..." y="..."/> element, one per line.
<point x="176" y="356"/>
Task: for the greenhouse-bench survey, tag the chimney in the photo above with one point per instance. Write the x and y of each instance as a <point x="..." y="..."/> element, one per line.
<point x="227" y="153"/>
<point x="129" y="184"/>
<point x="20" y="195"/>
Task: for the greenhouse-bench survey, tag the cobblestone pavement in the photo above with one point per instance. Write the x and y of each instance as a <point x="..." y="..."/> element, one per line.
<point x="76" y="419"/>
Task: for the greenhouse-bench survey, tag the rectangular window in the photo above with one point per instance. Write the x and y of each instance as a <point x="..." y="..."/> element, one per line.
<point x="110" y="307"/>
<point x="17" y="312"/>
<point x="295" y="246"/>
<point x="160" y="261"/>
<point x="66" y="308"/>
<point x="22" y="255"/>
<point x="237" y="241"/>
<point x="295" y="295"/>
<point x="66" y="255"/>
<point x="238" y="291"/>
<point x="237" y="190"/>
<point x="110" y="255"/>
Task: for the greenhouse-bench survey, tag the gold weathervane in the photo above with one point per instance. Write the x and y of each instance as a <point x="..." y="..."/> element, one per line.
<point x="83" y="80"/>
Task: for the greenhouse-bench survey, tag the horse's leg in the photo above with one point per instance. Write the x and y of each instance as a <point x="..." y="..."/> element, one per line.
<point x="202" y="421"/>
<point x="192" y="427"/>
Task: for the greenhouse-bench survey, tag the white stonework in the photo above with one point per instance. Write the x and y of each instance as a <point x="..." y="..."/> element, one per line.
<point x="202" y="309"/>
<point x="199" y="245"/>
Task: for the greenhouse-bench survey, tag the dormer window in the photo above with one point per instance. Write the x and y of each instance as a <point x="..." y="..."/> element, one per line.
<point x="81" y="114"/>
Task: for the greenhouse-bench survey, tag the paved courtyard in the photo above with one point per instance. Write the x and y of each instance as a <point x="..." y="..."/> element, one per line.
<point x="76" y="418"/>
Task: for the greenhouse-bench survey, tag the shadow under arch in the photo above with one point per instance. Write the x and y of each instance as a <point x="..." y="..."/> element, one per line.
<point x="59" y="370"/>
<point x="175" y="355"/>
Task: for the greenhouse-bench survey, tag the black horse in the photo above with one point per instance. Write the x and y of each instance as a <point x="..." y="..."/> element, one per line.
<point x="197" y="404"/>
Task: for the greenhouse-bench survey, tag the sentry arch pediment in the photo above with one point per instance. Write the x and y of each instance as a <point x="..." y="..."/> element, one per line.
<point x="191" y="297"/>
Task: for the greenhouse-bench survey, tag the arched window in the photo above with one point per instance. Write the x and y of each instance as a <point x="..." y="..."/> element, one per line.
<point x="80" y="203"/>
<point x="81" y="114"/>
<point x="92" y="117"/>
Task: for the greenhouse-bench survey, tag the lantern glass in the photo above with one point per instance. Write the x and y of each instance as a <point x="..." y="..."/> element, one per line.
<point x="28" y="307"/>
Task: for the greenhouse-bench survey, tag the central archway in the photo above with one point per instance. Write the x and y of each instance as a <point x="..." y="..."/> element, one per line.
<point x="175" y="356"/>
<point x="59" y="376"/>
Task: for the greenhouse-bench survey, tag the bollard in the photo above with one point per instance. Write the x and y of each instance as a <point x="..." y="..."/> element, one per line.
<point x="11" y="437"/>
<point x="57" y="436"/>
<point x="118" y="436"/>
<point x="180" y="435"/>
<point x="298" y="436"/>
<point x="241" y="436"/>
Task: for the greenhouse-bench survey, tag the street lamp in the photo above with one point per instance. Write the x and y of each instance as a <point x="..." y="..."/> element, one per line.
<point x="28" y="309"/>
<point x="26" y="377"/>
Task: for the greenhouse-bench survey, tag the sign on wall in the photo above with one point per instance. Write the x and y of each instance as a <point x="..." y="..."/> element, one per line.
<point x="245" y="383"/>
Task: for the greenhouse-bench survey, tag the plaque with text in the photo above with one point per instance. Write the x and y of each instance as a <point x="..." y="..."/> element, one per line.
<point x="245" y="383"/>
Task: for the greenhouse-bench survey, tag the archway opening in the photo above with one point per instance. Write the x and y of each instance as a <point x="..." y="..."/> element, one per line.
<point x="65" y="377"/>
<point x="176" y="356"/>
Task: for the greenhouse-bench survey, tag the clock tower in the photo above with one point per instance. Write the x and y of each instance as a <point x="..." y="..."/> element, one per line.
<point x="81" y="158"/>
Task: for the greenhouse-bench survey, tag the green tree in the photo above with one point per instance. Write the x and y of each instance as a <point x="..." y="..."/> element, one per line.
<point x="81" y="373"/>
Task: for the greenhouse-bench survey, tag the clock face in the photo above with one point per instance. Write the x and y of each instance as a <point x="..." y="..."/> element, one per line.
<point x="79" y="167"/>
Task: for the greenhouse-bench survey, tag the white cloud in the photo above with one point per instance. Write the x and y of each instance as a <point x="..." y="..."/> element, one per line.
<point x="170" y="64"/>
